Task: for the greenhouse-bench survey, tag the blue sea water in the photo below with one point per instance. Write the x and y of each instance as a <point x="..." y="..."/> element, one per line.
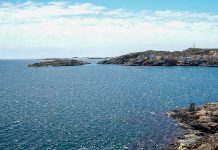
<point x="96" y="106"/>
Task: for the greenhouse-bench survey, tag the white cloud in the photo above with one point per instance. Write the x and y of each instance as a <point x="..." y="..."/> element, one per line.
<point x="61" y="28"/>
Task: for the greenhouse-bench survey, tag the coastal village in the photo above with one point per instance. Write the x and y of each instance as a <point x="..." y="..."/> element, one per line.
<point x="189" y="57"/>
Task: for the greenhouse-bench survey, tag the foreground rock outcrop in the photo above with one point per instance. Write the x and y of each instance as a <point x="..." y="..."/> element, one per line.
<point x="202" y="128"/>
<point x="189" y="57"/>
<point x="58" y="63"/>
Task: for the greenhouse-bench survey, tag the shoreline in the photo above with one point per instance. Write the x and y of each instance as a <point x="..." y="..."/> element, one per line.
<point x="188" y="57"/>
<point x="201" y="124"/>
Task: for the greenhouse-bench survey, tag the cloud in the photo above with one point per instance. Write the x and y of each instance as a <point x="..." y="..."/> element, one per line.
<point x="63" y="28"/>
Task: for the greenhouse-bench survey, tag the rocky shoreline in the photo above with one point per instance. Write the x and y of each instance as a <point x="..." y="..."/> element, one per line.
<point x="58" y="63"/>
<point x="201" y="124"/>
<point x="188" y="57"/>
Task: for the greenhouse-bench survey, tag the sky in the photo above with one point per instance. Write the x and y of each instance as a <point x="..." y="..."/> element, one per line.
<point x="90" y="28"/>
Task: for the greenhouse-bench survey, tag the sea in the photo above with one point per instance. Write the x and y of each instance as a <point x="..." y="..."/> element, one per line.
<point x="97" y="107"/>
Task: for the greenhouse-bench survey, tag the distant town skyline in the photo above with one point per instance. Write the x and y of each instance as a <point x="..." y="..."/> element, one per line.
<point x="43" y="29"/>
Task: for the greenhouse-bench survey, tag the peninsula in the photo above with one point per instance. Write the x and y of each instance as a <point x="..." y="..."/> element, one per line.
<point x="188" y="57"/>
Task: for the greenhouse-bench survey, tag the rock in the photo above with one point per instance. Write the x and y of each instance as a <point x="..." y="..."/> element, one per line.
<point x="215" y="116"/>
<point x="202" y="128"/>
<point x="204" y="119"/>
<point x="192" y="107"/>
<point x="215" y="113"/>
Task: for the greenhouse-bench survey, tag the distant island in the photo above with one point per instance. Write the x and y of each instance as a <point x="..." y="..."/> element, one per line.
<point x="188" y="57"/>
<point x="97" y="57"/>
<point x="55" y="62"/>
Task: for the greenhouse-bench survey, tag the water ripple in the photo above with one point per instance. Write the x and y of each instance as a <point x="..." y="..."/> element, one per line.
<point x="96" y="106"/>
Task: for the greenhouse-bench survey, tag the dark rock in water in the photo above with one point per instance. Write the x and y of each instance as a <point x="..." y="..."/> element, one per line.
<point x="202" y="128"/>
<point x="58" y="63"/>
<point x="192" y="107"/>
